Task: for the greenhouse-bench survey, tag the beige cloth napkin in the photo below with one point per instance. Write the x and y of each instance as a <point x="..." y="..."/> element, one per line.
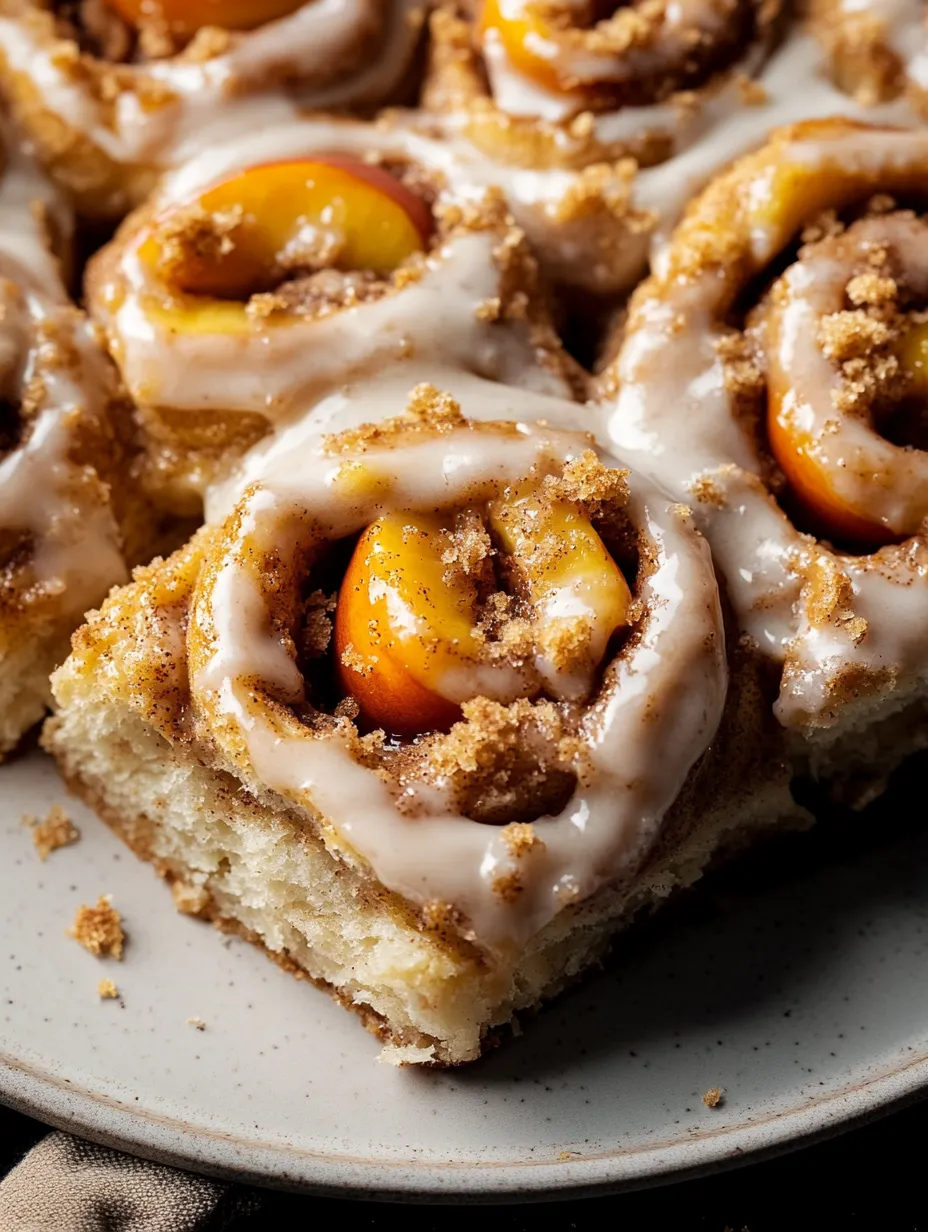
<point x="66" y="1185"/>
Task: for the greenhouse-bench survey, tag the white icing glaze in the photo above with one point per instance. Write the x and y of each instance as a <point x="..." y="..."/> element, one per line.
<point x="706" y="135"/>
<point x="614" y="817"/>
<point x="314" y="47"/>
<point x="674" y="419"/>
<point x="889" y="592"/>
<point x="76" y="554"/>
<point x="275" y="369"/>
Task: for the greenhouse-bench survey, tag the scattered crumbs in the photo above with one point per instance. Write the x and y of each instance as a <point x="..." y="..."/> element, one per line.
<point x="99" y="929"/>
<point x="197" y="1023"/>
<point x="713" y="1097"/>
<point x="563" y="1156"/>
<point x="56" y="830"/>
<point x="107" y="990"/>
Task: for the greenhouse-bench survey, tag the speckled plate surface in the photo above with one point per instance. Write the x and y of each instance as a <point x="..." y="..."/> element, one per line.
<point x="803" y="996"/>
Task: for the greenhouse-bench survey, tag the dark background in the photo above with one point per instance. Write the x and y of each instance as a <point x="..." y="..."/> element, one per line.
<point x="873" y="1178"/>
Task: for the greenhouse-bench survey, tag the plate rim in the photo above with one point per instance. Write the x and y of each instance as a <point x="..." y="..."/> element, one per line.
<point x="163" y="1138"/>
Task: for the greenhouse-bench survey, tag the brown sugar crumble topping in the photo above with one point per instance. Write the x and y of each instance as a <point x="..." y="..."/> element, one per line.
<point x="99" y="929"/>
<point x="56" y="830"/>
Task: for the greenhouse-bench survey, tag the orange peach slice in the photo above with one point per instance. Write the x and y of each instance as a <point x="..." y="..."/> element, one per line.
<point x="185" y="17"/>
<point x="563" y="568"/>
<point x="273" y="213"/>
<point x="402" y="623"/>
<point x="527" y="39"/>
<point x="398" y="623"/>
<point x="808" y="474"/>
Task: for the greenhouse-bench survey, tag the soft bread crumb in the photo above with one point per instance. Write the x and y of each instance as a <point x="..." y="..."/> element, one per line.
<point x="197" y="1023"/>
<point x="56" y="830"/>
<point x="107" y="990"/>
<point x="99" y="929"/>
<point x="713" y="1097"/>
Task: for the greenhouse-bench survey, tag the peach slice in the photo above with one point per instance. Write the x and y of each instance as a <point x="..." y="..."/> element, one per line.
<point x="267" y="216"/>
<point x="564" y="569"/>
<point x="398" y="623"/>
<point x="808" y="476"/>
<point x="185" y="17"/>
<point x="808" y="471"/>
<point x="527" y="39"/>
<point x="402" y="624"/>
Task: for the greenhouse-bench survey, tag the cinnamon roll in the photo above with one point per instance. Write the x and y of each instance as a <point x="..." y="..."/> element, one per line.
<point x="583" y="94"/>
<point x="112" y="92"/>
<point x="62" y="512"/>
<point x="410" y="714"/>
<point x="773" y="374"/>
<point x="271" y="270"/>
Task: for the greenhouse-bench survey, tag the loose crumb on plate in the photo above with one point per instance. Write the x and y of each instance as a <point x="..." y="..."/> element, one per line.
<point x="713" y="1097"/>
<point x="197" y="1023"/>
<point x="107" y="990"/>
<point x="99" y="929"/>
<point x="54" y="831"/>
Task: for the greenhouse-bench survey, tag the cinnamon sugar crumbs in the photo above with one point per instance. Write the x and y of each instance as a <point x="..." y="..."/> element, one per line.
<point x="604" y="187"/>
<point x="56" y="830"/>
<point x="714" y="1097"/>
<point x="356" y="662"/>
<point x="829" y="598"/>
<point x="707" y="491"/>
<point x="107" y="990"/>
<point x="851" y="335"/>
<point x="99" y="929"/>
<point x="489" y="310"/>
<point x="437" y="915"/>
<point x="877" y="290"/>
<point x="507" y="886"/>
<point x="191" y="231"/>
<point x="587" y="480"/>
<point x="503" y="760"/>
<point x="429" y="412"/>
<point x="316" y="633"/>
<point x="520" y="838"/>
<point x="467" y="547"/>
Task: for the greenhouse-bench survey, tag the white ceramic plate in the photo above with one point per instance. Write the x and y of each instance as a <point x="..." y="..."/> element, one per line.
<point x="806" y="1002"/>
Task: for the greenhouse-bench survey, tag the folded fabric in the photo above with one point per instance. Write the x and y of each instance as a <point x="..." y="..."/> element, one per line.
<point x="66" y="1185"/>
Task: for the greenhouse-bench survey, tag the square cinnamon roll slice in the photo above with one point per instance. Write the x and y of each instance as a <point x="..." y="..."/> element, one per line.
<point x="430" y="708"/>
